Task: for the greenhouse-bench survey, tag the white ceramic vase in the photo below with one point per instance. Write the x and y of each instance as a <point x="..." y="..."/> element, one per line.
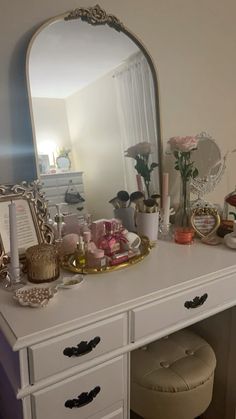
<point x="126" y="215"/>
<point x="147" y="225"/>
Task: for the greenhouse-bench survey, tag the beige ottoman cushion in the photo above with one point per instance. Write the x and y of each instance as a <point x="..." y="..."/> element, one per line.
<point x="173" y="377"/>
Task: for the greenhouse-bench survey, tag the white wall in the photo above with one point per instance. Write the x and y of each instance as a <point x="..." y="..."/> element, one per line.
<point x="192" y="43"/>
<point x="51" y="126"/>
<point x="96" y="142"/>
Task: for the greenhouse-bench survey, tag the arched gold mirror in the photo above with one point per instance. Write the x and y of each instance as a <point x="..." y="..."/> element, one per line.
<point x="93" y="94"/>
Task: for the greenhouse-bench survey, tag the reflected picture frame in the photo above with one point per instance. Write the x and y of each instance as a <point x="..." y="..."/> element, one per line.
<point x="44" y="164"/>
<point x="31" y="216"/>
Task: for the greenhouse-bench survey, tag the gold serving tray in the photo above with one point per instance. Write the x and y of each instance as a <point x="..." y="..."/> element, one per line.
<point x="69" y="263"/>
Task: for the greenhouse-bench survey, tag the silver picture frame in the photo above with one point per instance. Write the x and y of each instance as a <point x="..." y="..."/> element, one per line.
<point x="34" y="216"/>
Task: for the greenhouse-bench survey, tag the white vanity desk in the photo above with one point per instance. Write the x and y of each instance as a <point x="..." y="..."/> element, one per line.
<point x="126" y="309"/>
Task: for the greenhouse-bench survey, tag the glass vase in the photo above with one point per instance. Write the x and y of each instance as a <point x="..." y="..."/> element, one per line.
<point x="184" y="232"/>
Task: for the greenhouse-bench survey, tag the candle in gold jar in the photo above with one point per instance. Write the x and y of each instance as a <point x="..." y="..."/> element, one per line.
<point x="42" y="263"/>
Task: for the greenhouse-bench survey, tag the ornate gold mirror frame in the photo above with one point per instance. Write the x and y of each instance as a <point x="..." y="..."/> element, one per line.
<point x="32" y="227"/>
<point x="97" y="16"/>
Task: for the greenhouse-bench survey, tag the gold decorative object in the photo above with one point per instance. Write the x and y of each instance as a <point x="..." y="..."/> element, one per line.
<point x="69" y="263"/>
<point x="95" y="16"/>
<point x="34" y="297"/>
<point x="205" y="221"/>
<point x="42" y="263"/>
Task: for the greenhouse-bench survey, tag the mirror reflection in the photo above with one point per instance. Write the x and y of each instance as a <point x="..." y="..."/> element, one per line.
<point x="210" y="164"/>
<point x="92" y="96"/>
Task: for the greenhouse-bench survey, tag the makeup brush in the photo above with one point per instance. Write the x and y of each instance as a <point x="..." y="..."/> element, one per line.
<point x="123" y="198"/>
<point x="150" y="205"/>
<point x="156" y="198"/>
<point x="137" y="198"/>
<point x="114" y="202"/>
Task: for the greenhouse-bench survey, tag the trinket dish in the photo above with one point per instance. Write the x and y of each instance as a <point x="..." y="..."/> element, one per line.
<point x="34" y="296"/>
<point x="69" y="264"/>
<point x="71" y="282"/>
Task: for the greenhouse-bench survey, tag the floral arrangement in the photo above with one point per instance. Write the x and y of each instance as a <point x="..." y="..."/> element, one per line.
<point x="182" y="148"/>
<point x="64" y="152"/>
<point x="141" y="153"/>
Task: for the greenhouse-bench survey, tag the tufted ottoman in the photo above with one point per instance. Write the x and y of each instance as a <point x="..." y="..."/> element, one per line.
<point x="172" y="378"/>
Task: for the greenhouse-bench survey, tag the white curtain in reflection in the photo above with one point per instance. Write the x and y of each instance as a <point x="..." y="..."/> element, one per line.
<point x="136" y="110"/>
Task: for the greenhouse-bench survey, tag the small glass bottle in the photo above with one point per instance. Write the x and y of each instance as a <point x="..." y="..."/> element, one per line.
<point x="80" y="256"/>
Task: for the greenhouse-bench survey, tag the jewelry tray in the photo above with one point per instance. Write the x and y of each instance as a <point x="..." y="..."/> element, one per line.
<point x="69" y="263"/>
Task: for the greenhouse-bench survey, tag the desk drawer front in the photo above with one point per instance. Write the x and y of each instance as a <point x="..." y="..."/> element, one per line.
<point x="112" y="412"/>
<point x="159" y="315"/>
<point x="61" y="190"/>
<point x="108" y="379"/>
<point x="58" y="354"/>
<point x="117" y="414"/>
<point x="61" y="180"/>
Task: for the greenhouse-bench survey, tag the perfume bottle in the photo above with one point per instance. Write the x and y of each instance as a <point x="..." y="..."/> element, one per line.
<point x="109" y="243"/>
<point x="97" y="259"/>
<point x="59" y="222"/>
<point x="80" y="256"/>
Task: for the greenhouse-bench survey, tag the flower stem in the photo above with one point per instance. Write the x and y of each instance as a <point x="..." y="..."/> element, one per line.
<point x="185" y="215"/>
<point x="147" y="188"/>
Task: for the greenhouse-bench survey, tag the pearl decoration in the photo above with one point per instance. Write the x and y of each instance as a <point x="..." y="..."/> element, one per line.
<point x="34" y="297"/>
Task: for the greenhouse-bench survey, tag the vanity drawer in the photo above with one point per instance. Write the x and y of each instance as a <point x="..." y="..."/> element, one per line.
<point x="62" y="179"/>
<point x="70" y="179"/>
<point x="159" y="315"/>
<point x="107" y="380"/>
<point x="53" y="200"/>
<point x="61" y="190"/>
<point x="116" y="411"/>
<point x="47" y="358"/>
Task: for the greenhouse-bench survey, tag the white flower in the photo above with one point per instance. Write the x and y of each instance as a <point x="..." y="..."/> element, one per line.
<point x="142" y="149"/>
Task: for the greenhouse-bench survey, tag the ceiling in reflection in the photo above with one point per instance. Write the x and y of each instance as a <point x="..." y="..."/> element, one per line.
<point x="74" y="57"/>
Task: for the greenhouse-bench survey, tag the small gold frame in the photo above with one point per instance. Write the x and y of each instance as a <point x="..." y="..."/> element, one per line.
<point x="69" y="263"/>
<point x="205" y="221"/>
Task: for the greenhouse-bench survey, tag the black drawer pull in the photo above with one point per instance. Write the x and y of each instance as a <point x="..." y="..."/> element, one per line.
<point x="83" y="398"/>
<point x="196" y="302"/>
<point x="82" y="348"/>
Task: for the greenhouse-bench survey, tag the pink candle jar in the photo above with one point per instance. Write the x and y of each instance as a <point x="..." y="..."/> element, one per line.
<point x="183" y="235"/>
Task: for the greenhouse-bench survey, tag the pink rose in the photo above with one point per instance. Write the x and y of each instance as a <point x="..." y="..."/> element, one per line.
<point x="183" y="144"/>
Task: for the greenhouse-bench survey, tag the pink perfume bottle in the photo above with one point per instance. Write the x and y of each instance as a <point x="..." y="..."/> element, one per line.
<point x="97" y="259"/>
<point x="109" y="243"/>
